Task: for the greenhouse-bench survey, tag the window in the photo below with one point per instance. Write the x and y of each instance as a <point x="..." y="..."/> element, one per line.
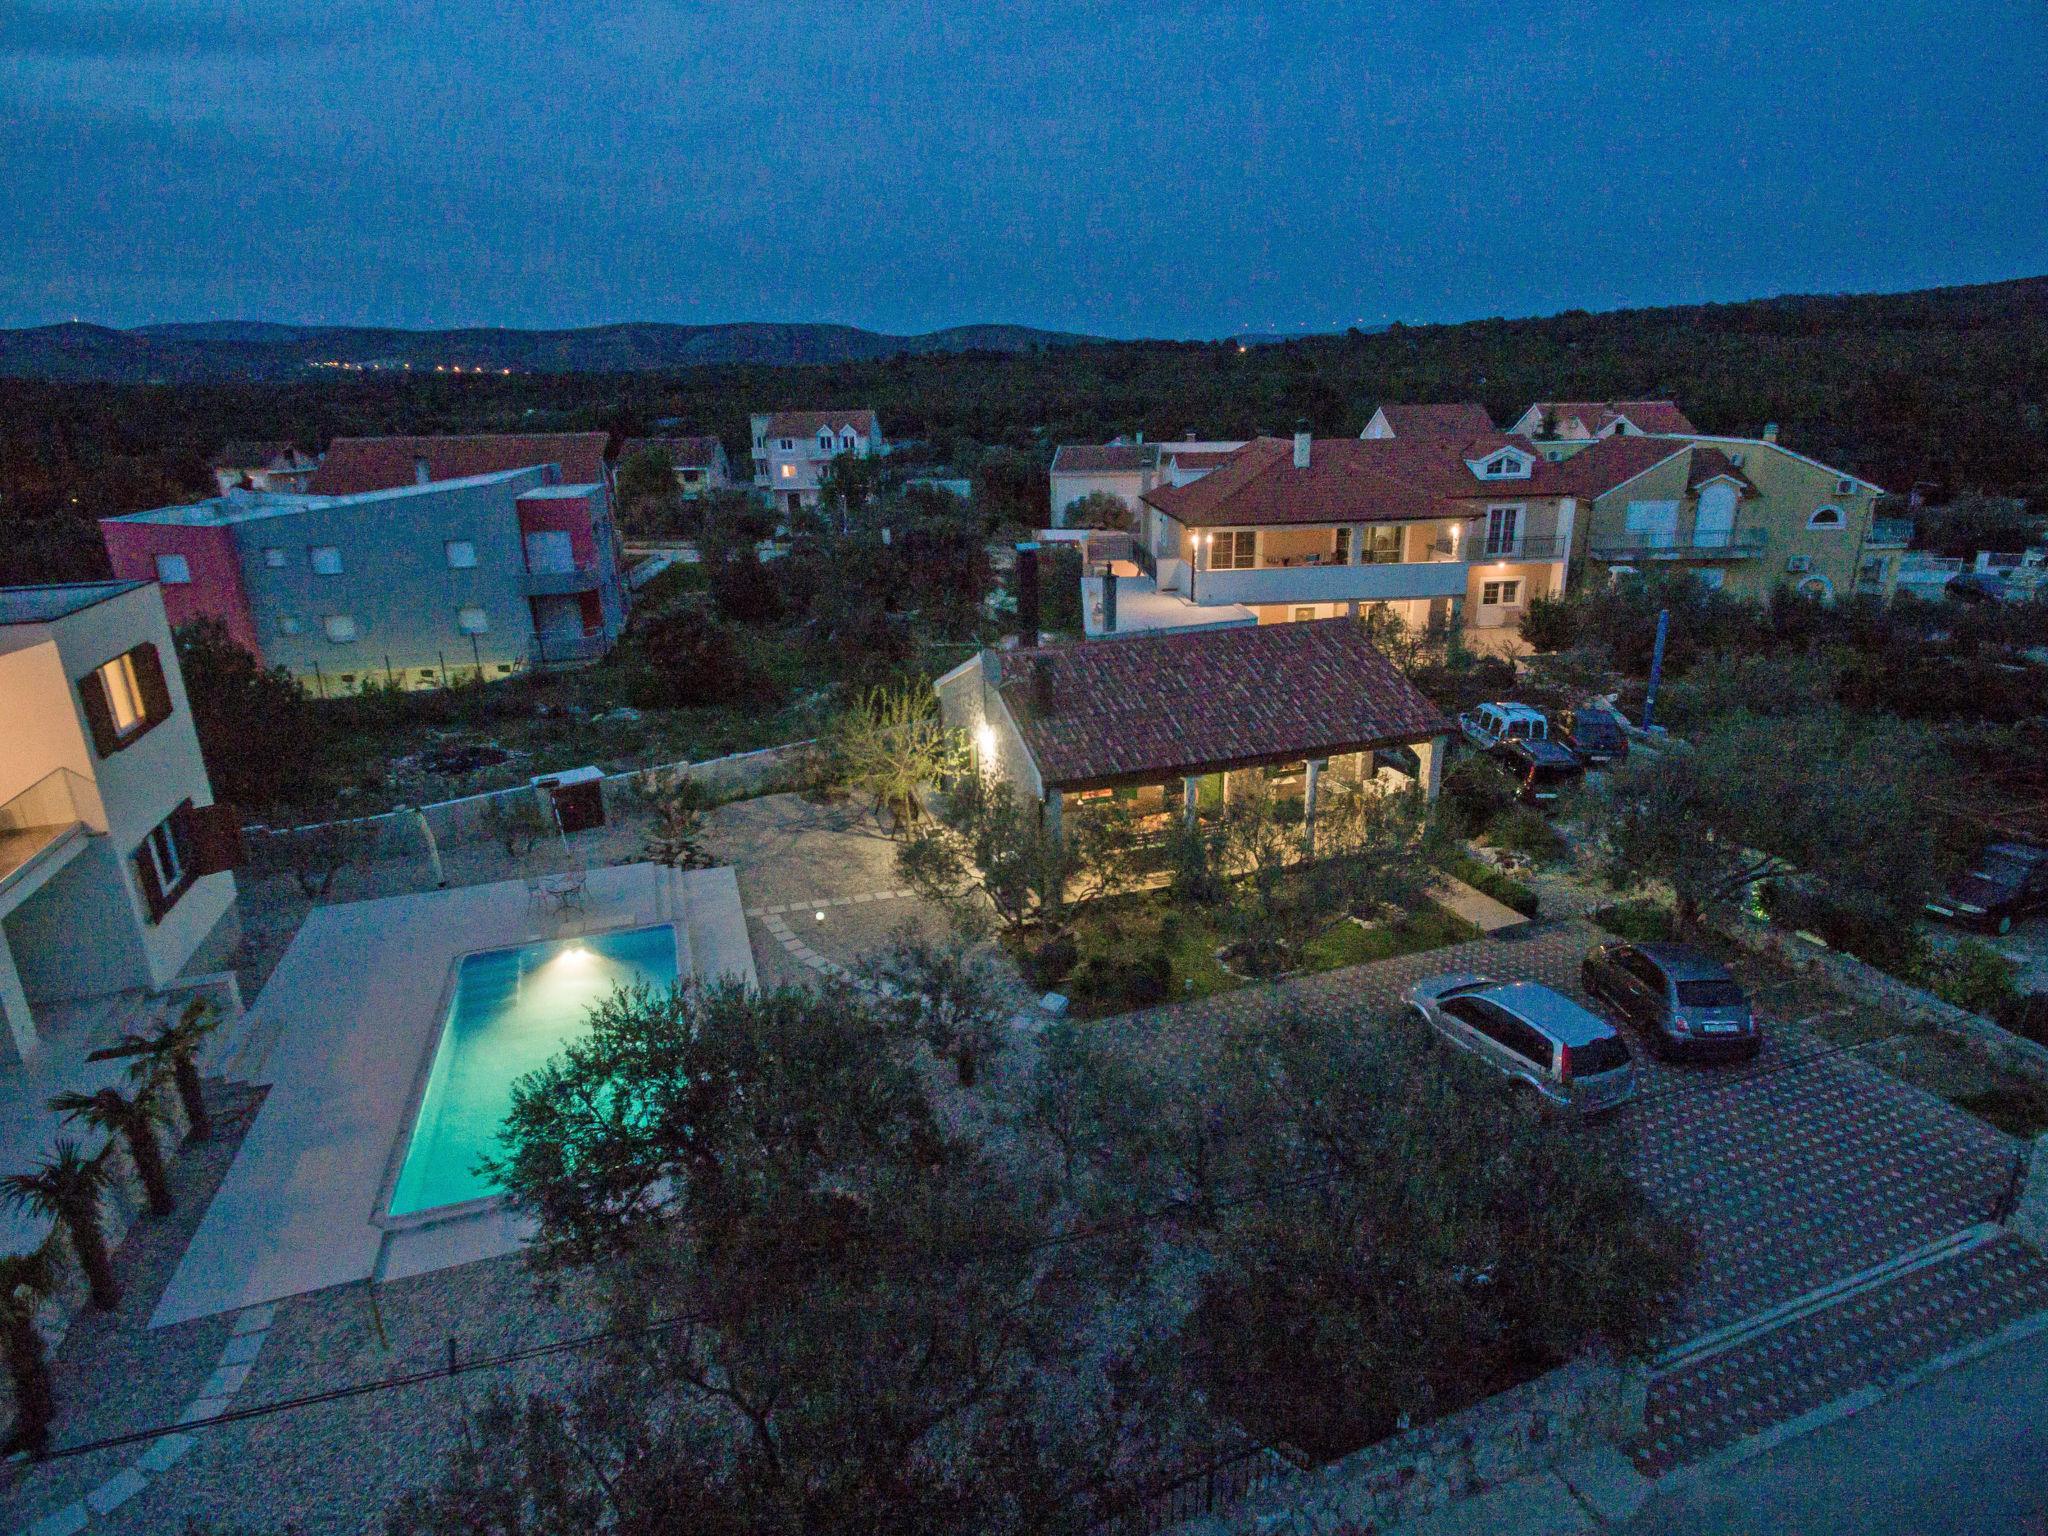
<point x="1237" y="551"/>
<point x="1735" y="459"/>
<point x="824" y="442"/>
<point x="186" y="846"/>
<point x="274" y="558"/>
<point x="1340" y="546"/>
<point x="787" y="445"/>
<point x="1499" y="594"/>
<point x="1504" y="466"/>
<point x="1844" y="486"/>
<point x="1826" y="517"/>
<point x="1380" y="544"/>
<point x="1503" y="530"/>
<point x="472" y="620"/>
<point x="124" y="699"/>
<point x="325" y="559"/>
<point x="461" y="554"/>
<point x="789" y="471"/>
<point x="165" y="857"/>
<point x="341" y="629"/>
<point x="172" y="570"/>
<point x="1303" y="615"/>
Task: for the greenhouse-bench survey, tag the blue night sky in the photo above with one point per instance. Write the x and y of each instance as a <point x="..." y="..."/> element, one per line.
<point x="1134" y="169"/>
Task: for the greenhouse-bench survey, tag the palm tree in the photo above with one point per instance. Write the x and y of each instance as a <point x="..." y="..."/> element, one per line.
<point x="135" y="1117"/>
<point x="67" y="1188"/>
<point x="173" y="1048"/>
<point x="25" y="1279"/>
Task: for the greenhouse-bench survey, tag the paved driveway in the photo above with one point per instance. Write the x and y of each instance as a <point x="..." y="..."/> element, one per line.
<point x="1806" y="1167"/>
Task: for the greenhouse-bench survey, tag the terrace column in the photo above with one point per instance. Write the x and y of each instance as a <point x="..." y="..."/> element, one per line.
<point x="1316" y="765"/>
<point x="1430" y="757"/>
<point x="1190" y="797"/>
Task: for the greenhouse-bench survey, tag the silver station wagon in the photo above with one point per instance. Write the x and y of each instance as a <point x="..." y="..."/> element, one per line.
<point x="1570" y="1056"/>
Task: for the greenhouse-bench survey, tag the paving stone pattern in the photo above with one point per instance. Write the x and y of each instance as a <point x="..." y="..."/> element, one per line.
<point x="1867" y="1339"/>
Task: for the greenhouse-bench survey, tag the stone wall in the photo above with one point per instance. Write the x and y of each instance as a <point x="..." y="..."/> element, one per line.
<point x="1517" y="1432"/>
<point x="1867" y="984"/>
<point x="396" y="833"/>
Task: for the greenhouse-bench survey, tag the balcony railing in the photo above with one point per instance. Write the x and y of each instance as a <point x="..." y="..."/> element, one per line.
<point x="562" y="583"/>
<point x="42" y="823"/>
<point x="1731" y="544"/>
<point x="1392" y="581"/>
<point x="1547" y="547"/>
<point x="1889" y="533"/>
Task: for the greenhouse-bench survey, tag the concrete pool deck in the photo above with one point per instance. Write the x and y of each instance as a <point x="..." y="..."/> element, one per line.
<point x="355" y="1007"/>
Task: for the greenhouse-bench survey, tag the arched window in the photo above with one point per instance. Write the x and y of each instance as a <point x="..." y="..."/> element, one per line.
<point x="1817" y="587"/>
<point x="1827" y="517"/>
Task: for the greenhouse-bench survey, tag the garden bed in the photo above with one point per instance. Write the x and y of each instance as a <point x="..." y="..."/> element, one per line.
<point x="1142" y="950"/>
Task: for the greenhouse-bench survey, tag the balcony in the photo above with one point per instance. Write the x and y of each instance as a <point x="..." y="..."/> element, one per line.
<point x="1485" y="551"/>
<point x="43" y="828"/>
<point x="1734" y="544"/>
<point x="563" y="583"/>
<point x="1304" y="583"/>
<point x="1889" y="533"/>
<point x="550" y="650"/>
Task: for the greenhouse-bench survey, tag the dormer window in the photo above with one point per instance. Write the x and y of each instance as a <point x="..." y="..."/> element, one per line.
<point x="824" y="442"/>
<point x="1505" y="465"/>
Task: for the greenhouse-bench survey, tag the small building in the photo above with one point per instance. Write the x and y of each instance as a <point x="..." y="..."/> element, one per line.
<point x="700" y="463"/>
<point x="354" y="465"/>
<point x="114" y="859"/>
<point x="262" y="466"/>
<point x="1169" y="716"/>
<point x="414" y="586"/>
<point x="793" y="448"/>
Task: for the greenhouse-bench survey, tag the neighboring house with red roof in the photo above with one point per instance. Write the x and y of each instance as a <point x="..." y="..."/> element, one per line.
<point x="793" y="448"/>
<point x="262" y="466"/>
<point x="1160" y="714"/>
<point x="1452" y="523"/>
<point x="1585" y="421"/>
<point x="1459" y="421"/>
<point x="1129" y="467"/>
<point x="701" y="465"/>
<point x="353" y="465"/>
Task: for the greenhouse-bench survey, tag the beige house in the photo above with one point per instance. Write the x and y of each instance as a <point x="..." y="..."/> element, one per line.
<point x="114" y="858"/>
<point x="1745" y="515"/>
<point x="1437" y="529"/>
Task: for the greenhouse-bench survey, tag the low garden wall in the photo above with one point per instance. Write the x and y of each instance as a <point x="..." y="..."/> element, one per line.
<point x="1867" y="984"/>
<point x="468" y="819"/>
<point x="1512" y="1434"/>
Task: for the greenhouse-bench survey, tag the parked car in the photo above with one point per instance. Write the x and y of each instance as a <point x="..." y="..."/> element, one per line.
<point x="1685" y="1002"/>
<point x="1489" y="725"/>
<point x="1570" y="1056"/>
<point x="1594" y="732"/>
<point x="2004" y="883"/>
<point x="1542" y="770"/>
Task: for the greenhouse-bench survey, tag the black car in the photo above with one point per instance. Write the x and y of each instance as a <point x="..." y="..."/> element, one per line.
<point x="2004" y="883"/>
<point x="1542" y="770"/>
<point x="1684" y="1001"/>
<point x="1594" y="732"/>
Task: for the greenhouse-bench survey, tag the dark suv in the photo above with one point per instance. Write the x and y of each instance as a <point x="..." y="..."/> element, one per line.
<point x="1594" y="732"/>
<point x="1683" y="1000"/>
<point x="1542" y="770"/>
<point x="2004" y="883"/>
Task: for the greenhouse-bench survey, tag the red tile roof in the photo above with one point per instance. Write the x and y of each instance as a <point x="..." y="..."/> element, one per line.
<point x="685" y="452"/>
<point x="357" y="464"/>
<point x="1461" y="420"/>
<point x="1599" y="467"/>
<point x="1197" y="458"/>
<point x="1104" y="458"/>
<point x="807" y="423"/>
<point x="1151" y="707"/>
<point x="1643" y="415"/>
<point x="1713" y="464"/>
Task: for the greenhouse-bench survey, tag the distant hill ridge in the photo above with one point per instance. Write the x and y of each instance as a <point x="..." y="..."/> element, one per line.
<point x="191" y="352"/>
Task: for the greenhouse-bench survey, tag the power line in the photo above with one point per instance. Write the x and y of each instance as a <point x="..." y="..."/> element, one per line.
<point x="458" y="1366"/>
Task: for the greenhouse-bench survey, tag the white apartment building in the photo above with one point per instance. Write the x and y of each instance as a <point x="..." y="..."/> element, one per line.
<point x="114" y="859"/>
<point x="792" y="448"/>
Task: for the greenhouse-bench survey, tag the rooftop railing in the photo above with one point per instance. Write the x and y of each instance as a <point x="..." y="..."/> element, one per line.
<point x="41" y="820"/>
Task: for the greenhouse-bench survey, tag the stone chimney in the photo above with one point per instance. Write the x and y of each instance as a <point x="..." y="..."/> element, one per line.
<point x="1109" y="602"/>
<point x="1770" y="431"/>
<point x="1301" y="449"/>
<point x="1027" y="595"/>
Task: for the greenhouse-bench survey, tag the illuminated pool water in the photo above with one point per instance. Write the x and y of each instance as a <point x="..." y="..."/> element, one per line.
<point x="512" y="1010"/>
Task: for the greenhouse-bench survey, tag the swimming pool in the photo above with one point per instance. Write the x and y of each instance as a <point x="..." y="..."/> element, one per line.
<point x="511" y="1010"/>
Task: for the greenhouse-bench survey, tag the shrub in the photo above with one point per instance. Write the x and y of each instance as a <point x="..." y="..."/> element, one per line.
<point x="1640" y="922"/>
<point x="1053" y="960"/>
<point x="1503" y="889"/>
<point x="1476" y="791"/>
<point x="1550" y="624"/>
<point x="1972" y="976"/>
<point x="1857" y="926"/>
<point x="1101" y="982"/>
<point x="1524" y="830"/>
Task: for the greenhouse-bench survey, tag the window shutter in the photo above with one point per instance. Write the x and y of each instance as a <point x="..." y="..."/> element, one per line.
<point x="145" y="874"/>
<point x="99" y="715"/>
<point x="212" y="835"/>
<point x="149" y="674"/>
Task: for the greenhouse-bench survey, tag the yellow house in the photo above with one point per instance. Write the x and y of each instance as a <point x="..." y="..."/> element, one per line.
<point x="1745" y="515"/>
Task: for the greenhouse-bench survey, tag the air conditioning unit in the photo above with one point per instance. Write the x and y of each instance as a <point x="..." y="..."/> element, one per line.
<point x="1799" y="565"/>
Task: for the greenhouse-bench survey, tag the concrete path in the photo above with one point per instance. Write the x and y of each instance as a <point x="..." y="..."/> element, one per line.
<point x="1475" y="906"/>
